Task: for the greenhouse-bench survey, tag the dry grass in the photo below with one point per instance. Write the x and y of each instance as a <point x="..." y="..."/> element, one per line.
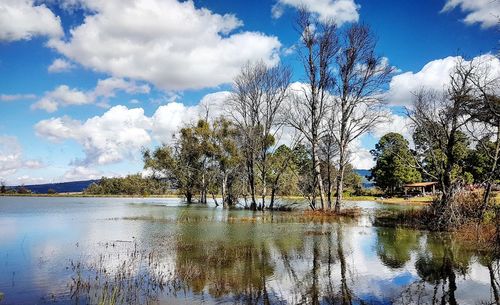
<point x="394" y="200"/>
<point x="477" y="236"/>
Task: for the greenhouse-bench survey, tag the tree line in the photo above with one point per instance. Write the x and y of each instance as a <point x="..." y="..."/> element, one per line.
<point x="338" y="101"/>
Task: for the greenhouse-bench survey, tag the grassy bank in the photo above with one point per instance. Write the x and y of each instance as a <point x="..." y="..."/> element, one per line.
<point x="393" y="200"/>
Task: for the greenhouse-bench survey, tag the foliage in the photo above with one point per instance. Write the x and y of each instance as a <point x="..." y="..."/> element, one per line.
<point x="395" y="164"/>
<point x="23" y="190"/>
<point x="129" y="185"/>
<point x="478" y="161"/>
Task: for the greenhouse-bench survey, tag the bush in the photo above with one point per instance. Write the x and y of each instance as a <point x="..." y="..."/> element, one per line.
<point x="23" y="190"/>
<point x="466" y="208"/>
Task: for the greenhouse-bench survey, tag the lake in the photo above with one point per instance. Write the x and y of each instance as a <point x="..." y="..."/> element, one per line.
<point x="160" y="251"/>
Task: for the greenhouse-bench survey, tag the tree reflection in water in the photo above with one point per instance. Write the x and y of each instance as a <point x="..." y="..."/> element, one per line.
<point x="240" y="269"/>
<point x="244" y="262"/>
<point x="440" y="260"/>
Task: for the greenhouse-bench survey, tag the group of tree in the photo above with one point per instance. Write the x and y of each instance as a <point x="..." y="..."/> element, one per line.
<point x="129" y="185"/>
<point x="456" y="135"/>
<point x="396" y="163"/>
<point x="210" y="160"/>
<point x="236" y="155"/>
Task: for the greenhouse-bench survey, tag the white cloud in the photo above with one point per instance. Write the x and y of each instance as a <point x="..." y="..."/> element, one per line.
<point x="22" y="20"/>
<point x="11" y="158"/>
<point x="105" y="89"/>
<point x="60" y="65"/>
<point x="121" y="132"/>
<point x="359" y="155"/>
<point x="434" y="75"/>
<point x="16" y="97"/>
<point x="484" y="12"/>
<point x="394" y="123"/>
<point x="28" y="180"/>
<point x="61" y="96"/>
<point x="171" y="44"/>
<point x="116" y="135"/>
<point x="81" y="173"/>
<point x="338" y="11"/>
<point x="170" y="117"/>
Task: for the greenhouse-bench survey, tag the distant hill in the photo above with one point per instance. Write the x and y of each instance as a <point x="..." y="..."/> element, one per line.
<point x="79" y="186"/>
<point x="63" y="187"/>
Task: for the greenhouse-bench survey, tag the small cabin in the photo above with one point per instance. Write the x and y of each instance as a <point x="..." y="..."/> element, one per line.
<point x="422" y="188"/>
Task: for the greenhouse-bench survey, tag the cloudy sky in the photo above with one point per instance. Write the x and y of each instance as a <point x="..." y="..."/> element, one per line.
<point x="85" y="84"/>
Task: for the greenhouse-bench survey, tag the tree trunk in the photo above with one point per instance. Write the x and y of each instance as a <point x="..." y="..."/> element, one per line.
<point x="263" y="178"/>
<point x="215" y="200"/>
<point x="251" y="182"/>
<point x="203" y="195"/>
<point x="491" y="175"/>
<point x="342" y="156"/>
<point x="223" y="190"/>
<point x="339" y="189"/>
<point x="189" y="197"/>
<point x="273" y="193"/>
<point x="318" y="181"/>
<point x="340" y="181"/>
<point x="329" y="183"/>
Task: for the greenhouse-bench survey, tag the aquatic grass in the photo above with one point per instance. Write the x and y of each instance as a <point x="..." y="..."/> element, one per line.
<point x="138" y="278"/>
<point x="321" y="214"/>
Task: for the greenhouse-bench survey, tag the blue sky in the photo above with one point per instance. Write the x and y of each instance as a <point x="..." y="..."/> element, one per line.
<point x="85" y="84"/>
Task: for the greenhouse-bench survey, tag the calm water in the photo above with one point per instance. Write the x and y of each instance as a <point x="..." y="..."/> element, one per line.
<point x="157" y="251"/>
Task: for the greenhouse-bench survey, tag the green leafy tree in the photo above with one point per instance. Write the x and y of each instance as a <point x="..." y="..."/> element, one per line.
<point x="227" y="167"/>
<point x="129" y="185"/>
<point x="179" y="164"/>
<point x="395" y="164"/>
<point x="478" y="161"/>
<point x="432" y="158"/>
<point x="282" y="173"/>
<point x="353" y="182"/>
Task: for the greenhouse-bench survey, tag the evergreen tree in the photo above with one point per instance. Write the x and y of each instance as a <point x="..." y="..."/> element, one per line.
<point x="395" y="164"/>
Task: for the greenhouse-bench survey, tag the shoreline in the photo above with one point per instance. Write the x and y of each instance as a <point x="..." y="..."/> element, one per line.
<point x="395" y="200"/>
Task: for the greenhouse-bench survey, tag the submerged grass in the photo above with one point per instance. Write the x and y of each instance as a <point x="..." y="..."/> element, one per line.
<point x="351" y="212"/>
<point x="137" y="278"/>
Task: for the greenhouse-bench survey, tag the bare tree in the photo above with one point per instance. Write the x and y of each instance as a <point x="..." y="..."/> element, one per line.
<point x="3" y="188"/>
<point x="309" y="107"/>
<point x="357" y="107"/>
<point x="255" y="103"/>
<point x="440" y="118"/>
<point x="484" y="109"/>
<point x="329" y="155"/>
